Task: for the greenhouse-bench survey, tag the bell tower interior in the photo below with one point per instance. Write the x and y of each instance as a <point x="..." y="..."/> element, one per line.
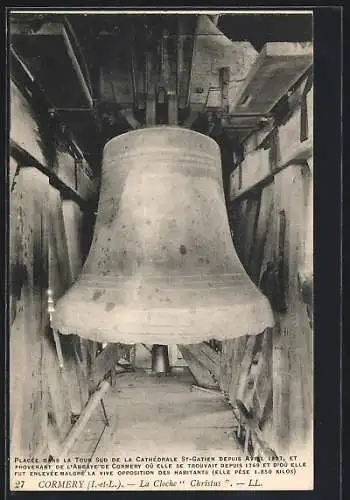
<point x="161" y="238"/>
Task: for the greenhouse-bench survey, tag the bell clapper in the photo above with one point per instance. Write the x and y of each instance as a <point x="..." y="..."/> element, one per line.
<point x="160" y="360"/>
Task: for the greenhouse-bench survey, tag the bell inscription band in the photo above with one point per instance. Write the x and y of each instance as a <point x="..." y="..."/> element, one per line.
<point x="162" y="268"/>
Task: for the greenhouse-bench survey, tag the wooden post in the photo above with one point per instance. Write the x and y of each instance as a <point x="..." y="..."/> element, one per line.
<point x="180" y="58"/>
<point x="239" y="350"/>
<point x="172" y="108"/>
<point x="201" y="373"/>
<point x="106" y="361"/>
<point x="133" y="76"/>
<point x="73" y="218"/>
<point x="28" y="399"/>
<point x="150" y="92"/>
<point x="224" y="77"/>
<point x="84" y="418"/>
<point x="292" y="345"/>
<point x="60" y="279"/>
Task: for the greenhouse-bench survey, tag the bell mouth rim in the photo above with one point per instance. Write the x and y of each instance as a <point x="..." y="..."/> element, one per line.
<point x="159" y="127"/>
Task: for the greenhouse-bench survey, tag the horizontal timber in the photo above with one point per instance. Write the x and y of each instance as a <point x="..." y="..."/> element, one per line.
<point x="296" y="154"/>
<point x="25" y="159"/>
<point x="56" y="51"/>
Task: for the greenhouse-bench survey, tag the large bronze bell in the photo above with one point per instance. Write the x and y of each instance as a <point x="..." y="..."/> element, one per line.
<point x="162" y="268"/>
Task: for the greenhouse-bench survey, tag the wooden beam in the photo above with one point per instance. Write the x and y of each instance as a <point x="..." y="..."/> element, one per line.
<point x="201" y="374"/>
<point x="244" y="368"/>
<point x="172" y="108"/>
<point x="73" y="225"/>
<point x="298" y="153"/>
<point x="32" y="114"/>
<point x="106" y="361"/>
<point x="150" y="111"/>
<point x="224" y="78"/>
<point x="84" y="418"/>
<point x="60" y="278"/>
<point x="25" y="159"/>
<point x="78" y="52"/>
<point x="205" y="390"/>
<point x="180" y="57"/>
<point x="57" y="60"/>
<point x="28" y="400"/>
<point x="187" y="29"/>
<point x="165" y="79"/>
<point x="128" y="114"/>
<point x="150" y="91"/>
<point x="264" y="132"/>
<point x="24" y="123"/>
<point x="260" y="129"/>
<point x="206" y="356"/>
<point x="171" y="82"/>
<point x="278" y="66"/>
<point x="133" y="65"/>
<point x="254" y="168"/>
<point x="237" y="354"/>
<point x="250" y="422"/>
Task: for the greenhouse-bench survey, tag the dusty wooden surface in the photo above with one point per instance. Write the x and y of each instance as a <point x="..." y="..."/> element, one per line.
<point x="29" y="282"/>
<point x="45" y="252"/>
<point x="150" y="414"/>
<point x="65" y="262"/>
<point x="277" y="385"/>
<point x="270" y="225"/>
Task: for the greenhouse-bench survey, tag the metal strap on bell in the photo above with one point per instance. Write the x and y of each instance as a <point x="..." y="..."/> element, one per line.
<point x="162" y="267"/>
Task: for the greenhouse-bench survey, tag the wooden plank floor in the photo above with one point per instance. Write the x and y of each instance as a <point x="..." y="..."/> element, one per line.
<point x="160" y="415"/>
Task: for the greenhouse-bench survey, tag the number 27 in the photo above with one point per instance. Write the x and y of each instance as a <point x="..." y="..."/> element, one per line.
<point x="19" y="484"/>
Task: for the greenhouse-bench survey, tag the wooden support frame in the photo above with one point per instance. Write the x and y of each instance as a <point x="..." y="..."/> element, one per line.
<point x="179" y="57"/>
<point x="53" y="41"/>
<point x="28" y="120"/>
<point x="24" y="158"/>
<point x="106" y="361"/>
<point x="172" y="108"/>
<point x="29" y="253"/>
<point x="191" y="55"/>
<point x="133" y="66"/>
<point x="205" y="356"/>
<point x="83" y="419"/>
<point x="298" y="153"/>
<point x="200" y="372"/>
<point x="224" y="77"/>
<point x="282" y="63"/>
<point x="150" y="118"/>
<point x="244" y="417"/>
